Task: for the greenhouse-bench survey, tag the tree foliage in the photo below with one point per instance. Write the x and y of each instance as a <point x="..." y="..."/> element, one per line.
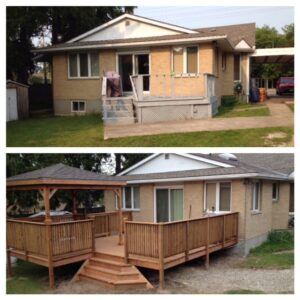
<point x="58" y="23"/>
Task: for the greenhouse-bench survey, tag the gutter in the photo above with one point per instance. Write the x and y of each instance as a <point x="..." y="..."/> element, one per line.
<point x="213" y="177"/>
<point x="129" y="44"/>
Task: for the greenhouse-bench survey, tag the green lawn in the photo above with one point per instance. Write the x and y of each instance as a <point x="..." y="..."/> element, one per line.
<point x="242" y="110"/>
<point x="276" y="253"/>
<point x="87" y="131"/>
<point x="241" y="292"/>
<point x="28" y="279"/>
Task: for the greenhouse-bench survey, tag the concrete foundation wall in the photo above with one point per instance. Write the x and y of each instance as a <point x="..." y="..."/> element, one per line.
<point x="63" y="107"/>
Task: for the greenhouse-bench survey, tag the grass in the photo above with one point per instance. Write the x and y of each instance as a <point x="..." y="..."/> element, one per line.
<point x="87" y="131"/>
<point x="291" y="106"/>
<point x="276" y="253"/>
<point x="28" y="279"/>
<point x="237" y="109"/>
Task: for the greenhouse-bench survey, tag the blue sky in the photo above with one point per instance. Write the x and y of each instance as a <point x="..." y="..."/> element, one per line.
<point x="206" y="16"/>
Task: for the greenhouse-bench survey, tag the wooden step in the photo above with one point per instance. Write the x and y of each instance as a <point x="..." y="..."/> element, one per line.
<point x="113" y="265"/>
<point x="129" y="273"/>
<point x="109" y="257"/>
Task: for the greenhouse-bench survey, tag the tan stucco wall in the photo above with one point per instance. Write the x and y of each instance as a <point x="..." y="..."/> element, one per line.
<point x="280" y="208"/>
<point x="65" y="89"/>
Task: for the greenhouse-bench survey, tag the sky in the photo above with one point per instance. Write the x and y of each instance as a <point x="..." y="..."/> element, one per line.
<point x="207" y="16"/>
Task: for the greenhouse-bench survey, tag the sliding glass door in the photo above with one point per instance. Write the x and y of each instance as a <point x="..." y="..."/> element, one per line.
<point x="169" y="204"/>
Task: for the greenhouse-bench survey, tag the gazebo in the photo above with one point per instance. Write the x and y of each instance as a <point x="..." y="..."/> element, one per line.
<point x="55" y="241"/>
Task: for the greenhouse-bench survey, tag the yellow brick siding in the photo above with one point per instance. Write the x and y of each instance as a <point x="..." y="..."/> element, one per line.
<point x="280" y="208"/>
<point x="85" y="89"/>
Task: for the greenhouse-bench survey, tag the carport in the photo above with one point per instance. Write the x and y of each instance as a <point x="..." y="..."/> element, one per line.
<point x="270" y="56"/>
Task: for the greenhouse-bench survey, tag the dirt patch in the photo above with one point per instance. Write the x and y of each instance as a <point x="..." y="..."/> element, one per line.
<point x="275" y="139"/>
<point x="224" y="274"/>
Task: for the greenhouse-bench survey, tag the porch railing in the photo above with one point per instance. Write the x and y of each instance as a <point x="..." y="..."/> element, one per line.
<point x="49" y="241"/>
<point x="190" y="237"/>
<point x="173" y="86"/>
<point x="108" y="223"/>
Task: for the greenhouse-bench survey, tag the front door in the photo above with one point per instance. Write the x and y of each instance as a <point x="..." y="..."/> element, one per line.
<point x="137" y="64"/>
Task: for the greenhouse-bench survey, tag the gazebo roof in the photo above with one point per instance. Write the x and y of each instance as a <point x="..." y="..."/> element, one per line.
<point x="61" y="174"/>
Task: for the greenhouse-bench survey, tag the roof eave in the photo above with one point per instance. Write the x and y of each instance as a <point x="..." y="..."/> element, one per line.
<point x="132" y="44"/>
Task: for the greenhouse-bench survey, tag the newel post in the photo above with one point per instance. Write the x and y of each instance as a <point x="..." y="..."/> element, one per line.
<point x="161" y="255"/>
<point x="93" y="234"/>
<point x="207" y="244"/>
<point x="125" y="241"/>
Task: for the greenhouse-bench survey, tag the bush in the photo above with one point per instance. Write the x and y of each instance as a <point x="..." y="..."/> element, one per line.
<point x="291" y="222"/>
<point x="280" y="236"/>
<point x="229" y="100"/>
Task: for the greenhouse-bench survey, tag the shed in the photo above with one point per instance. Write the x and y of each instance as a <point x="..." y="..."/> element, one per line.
<point x="17" y="102"/>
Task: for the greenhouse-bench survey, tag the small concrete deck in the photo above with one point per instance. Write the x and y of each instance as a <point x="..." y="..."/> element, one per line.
<point x="281" y="116"/>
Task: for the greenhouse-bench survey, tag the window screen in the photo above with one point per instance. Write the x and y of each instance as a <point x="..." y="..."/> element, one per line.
<point x="192" y="59"/>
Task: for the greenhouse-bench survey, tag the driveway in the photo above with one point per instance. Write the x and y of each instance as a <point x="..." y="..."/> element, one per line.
<point x="281" y="116"/>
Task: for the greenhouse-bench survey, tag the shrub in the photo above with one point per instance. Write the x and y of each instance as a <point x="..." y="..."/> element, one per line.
<point x="291" y="222"/>
<point x="229" y="100"/>
<point x="280" y="236"/>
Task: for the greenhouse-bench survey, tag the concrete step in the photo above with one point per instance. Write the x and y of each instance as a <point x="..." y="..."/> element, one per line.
<point x="121" y="120"/>
<point x="109" y="107"/>
<point x="118" y="114"/>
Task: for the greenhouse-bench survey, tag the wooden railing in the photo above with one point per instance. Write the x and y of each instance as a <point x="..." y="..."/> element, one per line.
<point x="173" y="238"/>
<point x="108" y="223"/>
<point x="54" y="239"/>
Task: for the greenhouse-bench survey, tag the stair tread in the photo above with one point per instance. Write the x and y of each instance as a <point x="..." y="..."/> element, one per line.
<point x="130" y="270"/>
<point x="108" y="261"/>
<point x="140" y="280"/>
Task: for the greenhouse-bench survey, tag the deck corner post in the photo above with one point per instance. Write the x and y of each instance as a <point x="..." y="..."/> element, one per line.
<point x="161" y="256"/>
<point x="93" y="234"/>
<point x="125" y="241"/>
<point x="187" y="223"/>
<point x="50" y="256"/>
<point x="207" y="244"/>
<point x="224" y="230"/>
<point x="9" y="266"/>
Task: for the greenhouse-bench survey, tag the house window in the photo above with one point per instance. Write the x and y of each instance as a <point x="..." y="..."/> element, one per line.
<point x="224" y="61"/>
<point x="218" y="196"/>
<point x="237" y="67"/>
<point x="78" y="106"/>
<point x="169" y="204"/>
<point x="131" y="198"/>
<point x="185" y="60"/>
<point x="275" y="191"/>
<point x="256" y="196"/>
<point x="83" y="65"/>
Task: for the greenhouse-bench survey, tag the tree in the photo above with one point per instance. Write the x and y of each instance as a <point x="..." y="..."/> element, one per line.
<point x="58" y="23"/>
<point x="126" y="160"/>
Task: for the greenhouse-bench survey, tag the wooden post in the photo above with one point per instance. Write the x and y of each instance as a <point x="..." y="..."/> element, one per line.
<point x="93" y="235"/>
<point x="119" y="193"/>
<point x="107" y="225"/>
<point x="224" y="231"/>
<point x="50" y="256"/>
<point x="74" y="202"/>
<point x="9" y="267"/>
<point x="207" y="244"/>
<point x="161" y="256"/>
<point x="46" y="196"/>
<point x="187" y="224"/>
<point x="125" y="242"/>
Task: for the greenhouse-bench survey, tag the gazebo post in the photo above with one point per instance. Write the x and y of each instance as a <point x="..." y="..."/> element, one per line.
<point x="119" y="194"/>
<point x="74" y="202"/>
<point x="46" y="195"/>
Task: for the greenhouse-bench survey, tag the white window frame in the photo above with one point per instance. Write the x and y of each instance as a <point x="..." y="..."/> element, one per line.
<point x="78" y="66"/>
<point x="78" y="111"/>
<point x="253" y="188"/>
<point x="240" y="78"/>
<point x="132" y="199"/>
<point x="277" y="192"/>
<point x="217" y="201"/>
<point x="184" y="60"/>
<point x="169" y="188"/>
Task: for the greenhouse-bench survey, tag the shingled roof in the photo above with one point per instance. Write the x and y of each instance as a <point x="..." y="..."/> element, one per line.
<point x="63" y="172"/>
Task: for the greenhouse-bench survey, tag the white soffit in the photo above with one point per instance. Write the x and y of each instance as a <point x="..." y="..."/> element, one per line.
<point x="130" y="26"/>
